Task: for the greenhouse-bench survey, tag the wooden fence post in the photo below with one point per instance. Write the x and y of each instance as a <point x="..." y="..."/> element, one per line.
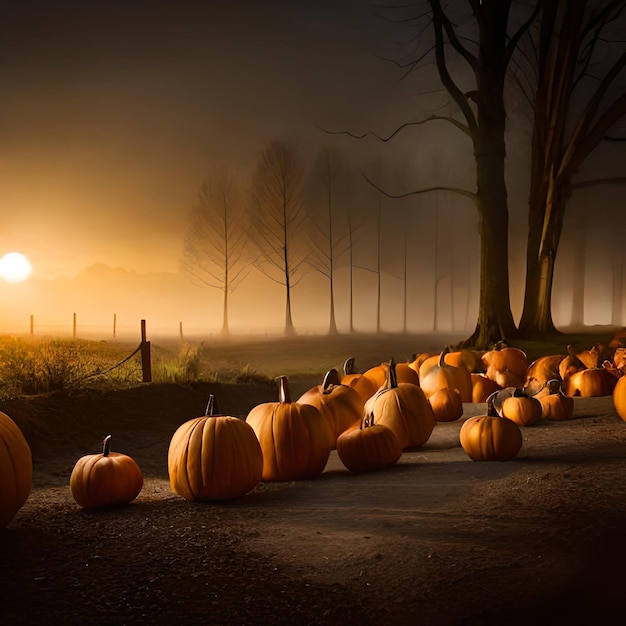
<point x="146" y="367"/>
<point x="74" y="327"/>
<point x="180" y="328"/>
<point x="32" y="325"/>
<point x="114" y="324"/>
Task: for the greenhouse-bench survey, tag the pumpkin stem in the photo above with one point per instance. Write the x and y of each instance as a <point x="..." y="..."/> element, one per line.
<point x="331" y="379"/>
<point x="393" y="378"/>
<point x="106" y="446"/>
<point x="348" y="366"/>
<point x="283" y="389"/>
<point x="210" y="405"/>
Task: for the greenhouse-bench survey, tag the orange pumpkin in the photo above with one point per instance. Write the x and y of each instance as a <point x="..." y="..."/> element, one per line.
<point x="447" y="405"/>
<point x="16" y="469"/>
<point x="506" y="366"/>
<point x="589" y="383"/>
<point x="363" y="385"/>
<point x="490" y="437"/>
<point x="368" y="447"/>
<point x="404" y="408"/>
<point x="619" y="397"/>
<point x="482" y="387"/>
<point x="404" y="374"/>
<point x="341" y="406"/>
<point x="106" y="479"/>
<point x="555" y="405"/>
<point x="522" y="409"/>
<point x="542" y="370"/>
<point x="435" y="377"/>
<point x="294" y="437"/>
<point x="214" y="457"/>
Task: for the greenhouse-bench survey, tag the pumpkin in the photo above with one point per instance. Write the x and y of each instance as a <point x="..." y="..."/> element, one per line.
<point x="368" y="447"/>
<point x="106" y="479"/>
<point x="363" y="385"/>
<point x="435" y="377"/>
<point x="293" y="437"/>
<point x="619" y="398"/>
<point x="482" y="387"/>
<point x="542" y="370"/>
<point x="16" y="469"/>
<point x="404" y="408"/>
<point x="522" y="409"/>
<point x="505" y="365"/>
<point x="340" y="405"/>
<point x="447" y="405"/>
<point x="589" y="383"/>
<point x="555" y="405"/>
<point x="490" y="437"/>
<point x="404" y="374"/>
<point x="214" y="457"/>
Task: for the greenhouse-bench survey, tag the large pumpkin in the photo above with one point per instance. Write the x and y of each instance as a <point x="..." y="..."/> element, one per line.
<point x="368" y="447"/>
<point x="490" y="437"/>
<point x="214" y="457"/>
<point x="405" y="373"/>
<point x="433" y="377"/>
<point x="341" y="406"/>
<point x="506" y="365"/>
<point x="16" y="469"/>
<point x="294" y="437"/>
<point x="619" y="397"/>
<point x="589" y="383"/>
<point x="106" y="479"/>
<point x="404" y="408"/>
<point x="482" y="387"/>
<point x="522" y="409"/>
<point x="447" y="405"/>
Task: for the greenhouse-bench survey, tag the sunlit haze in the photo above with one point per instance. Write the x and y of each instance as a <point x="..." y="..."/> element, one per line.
<point x="113" y="113"/>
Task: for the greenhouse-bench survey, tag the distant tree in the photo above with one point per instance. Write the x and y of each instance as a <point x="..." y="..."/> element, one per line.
<point x="328" y="197"/>
<point x="277" y="218"/>
<point x="215" y="243"/>
<point x="578" y="96"/>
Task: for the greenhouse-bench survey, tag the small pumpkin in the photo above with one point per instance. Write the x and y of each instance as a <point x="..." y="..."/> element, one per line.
<point x="542" y="370"/>
<point x="341" y="406"/>
<point x="16" y="469"/>
<point x="555" y="405"/>
<point x="106" y="479"/>
<point x="435" y="377"/>
<point x="214" y="457"/>
<point x="363" y="385"/>
<point x="294" y="437"/>
<point x="447" y="405"/>
<point x="404" y="408"/>
<point x="490" y="437"/>
<point x="368" y="447"/>
<point x="522" y="409"/>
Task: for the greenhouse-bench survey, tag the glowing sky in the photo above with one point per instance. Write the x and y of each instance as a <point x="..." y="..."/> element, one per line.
<point x="113" y="111"/>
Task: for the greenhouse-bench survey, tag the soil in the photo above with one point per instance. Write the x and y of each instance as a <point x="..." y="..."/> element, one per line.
<point x="437" y="539"/>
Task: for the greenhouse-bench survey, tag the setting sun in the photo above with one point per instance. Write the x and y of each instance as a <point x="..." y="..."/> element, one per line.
<point x="14" y="267"/>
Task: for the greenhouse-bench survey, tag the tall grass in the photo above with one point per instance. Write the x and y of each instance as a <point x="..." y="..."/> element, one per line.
<point x="30" y="367"/>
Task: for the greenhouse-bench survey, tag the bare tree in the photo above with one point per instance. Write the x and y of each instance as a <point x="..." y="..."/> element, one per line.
<point x="579" y="95"/>
<point x="277" y="218"/>
<point x="215" y="243"/>
<point x="328" y="195"/>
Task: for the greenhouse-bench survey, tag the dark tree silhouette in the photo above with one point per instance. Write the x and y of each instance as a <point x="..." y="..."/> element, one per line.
<point x="579" y="95"/>
<point x="215" y="243"/>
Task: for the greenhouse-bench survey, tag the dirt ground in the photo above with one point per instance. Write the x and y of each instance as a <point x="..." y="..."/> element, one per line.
<point x="435" y="540"/>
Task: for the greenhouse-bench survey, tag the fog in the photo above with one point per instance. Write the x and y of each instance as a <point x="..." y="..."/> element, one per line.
<point x="112" y="117"/>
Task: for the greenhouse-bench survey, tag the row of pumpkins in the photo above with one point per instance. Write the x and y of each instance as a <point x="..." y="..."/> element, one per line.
<point x="369" y="419"/>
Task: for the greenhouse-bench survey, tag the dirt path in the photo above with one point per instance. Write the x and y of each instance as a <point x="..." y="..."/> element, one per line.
<point x="435" y="540"/>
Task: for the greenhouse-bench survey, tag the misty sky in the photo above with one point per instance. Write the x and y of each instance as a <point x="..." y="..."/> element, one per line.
<point x="112" y="112"/>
